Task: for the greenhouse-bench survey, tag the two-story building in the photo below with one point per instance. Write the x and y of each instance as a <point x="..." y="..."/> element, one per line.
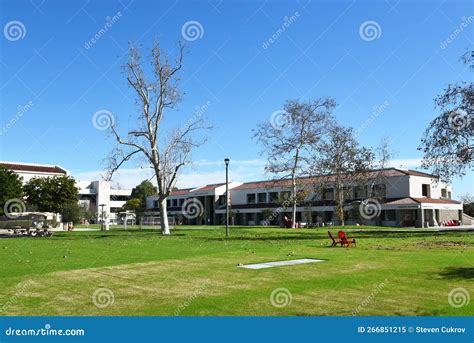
<point x="92" y="194"/>
<point x="398" y="197"/>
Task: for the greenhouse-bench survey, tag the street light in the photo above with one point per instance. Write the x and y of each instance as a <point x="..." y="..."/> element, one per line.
<point x="102" y="227"/>
<point x="226" y="161"/>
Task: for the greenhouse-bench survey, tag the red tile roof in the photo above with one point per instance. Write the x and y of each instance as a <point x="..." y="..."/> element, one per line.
<point x="181" y="191"/>
<point x="405" y="201"/>
<point x="208" y="187"/>
<point x="35" y="168"/>
<point x="417" y="173"/>
<point x="435" y="201"/>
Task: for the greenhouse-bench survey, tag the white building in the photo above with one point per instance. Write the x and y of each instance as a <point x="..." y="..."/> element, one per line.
<point x="405" y="198"/>
<point x="91" y="194"/>
<point x="29" y="170"/>
<point x="96" y="193"/>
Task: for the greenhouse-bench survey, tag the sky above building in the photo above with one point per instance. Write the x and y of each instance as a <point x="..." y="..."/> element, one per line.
<point x="383" y="62"/>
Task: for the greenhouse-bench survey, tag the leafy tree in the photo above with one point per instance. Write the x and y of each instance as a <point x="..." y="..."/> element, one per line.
<point x="344" y="163"/>
<point x="447" y="143"/>
<point x="290" y="138"/>
<point x="72" y="212"/>
<point x="141" y="192"/>
<point x="51" y="194"/>
<point x="134" y="204"/>
<point x="10" y="187"/>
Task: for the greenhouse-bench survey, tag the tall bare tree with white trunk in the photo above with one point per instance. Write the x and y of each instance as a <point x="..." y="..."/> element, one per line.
<point x="164" y="150"/>
<point x="290" y="137"/>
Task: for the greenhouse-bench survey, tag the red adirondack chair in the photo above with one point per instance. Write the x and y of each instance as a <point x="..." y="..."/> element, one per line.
<point x="334" y="241"/>
<point x="344" y="241"/>
<point x="288" y="223"/>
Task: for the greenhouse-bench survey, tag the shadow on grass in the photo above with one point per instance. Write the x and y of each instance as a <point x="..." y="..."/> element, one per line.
<point x="458" y="273"/>
<point x="320" y="236"/>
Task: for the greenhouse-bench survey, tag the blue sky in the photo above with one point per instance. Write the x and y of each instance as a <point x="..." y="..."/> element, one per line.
<point x="232" y="69"/>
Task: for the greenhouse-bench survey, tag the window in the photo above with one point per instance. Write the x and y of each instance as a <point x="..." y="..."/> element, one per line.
<point x="155" y="203"/>
<point x="360" y="192"/>
<point x="425" y="189"/>
<point x="348" y="192"/>
<point x="262" y="198"/>
<point x="273" y="197"/>
<point x="181" y="202"/>
<point x="444" y="193"/>
<point x="380" y="191"/>
<point x="221" y="200"/>
<point x="174" y="202"/>
<point x="119" y="197"/>
<point x="390" y="215"/>
<point x="168" y="203"/>
<point x="285" y="195"/>
<point x="250" y="198"/>
<point x="328" y="194"/>
<point x="449" y="195"/>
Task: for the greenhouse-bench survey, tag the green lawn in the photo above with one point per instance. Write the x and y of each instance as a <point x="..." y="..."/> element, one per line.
<point x="195" y="272"/>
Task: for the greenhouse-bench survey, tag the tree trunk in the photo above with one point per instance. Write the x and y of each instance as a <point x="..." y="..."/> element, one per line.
<point x="340" y="205"/>
<point x="293" y="221"/>
<point x="165" y="227"/>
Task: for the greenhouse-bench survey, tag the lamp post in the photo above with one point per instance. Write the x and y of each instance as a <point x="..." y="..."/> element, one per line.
<point x="102" y="216"/>
<point x="226" y="161"/>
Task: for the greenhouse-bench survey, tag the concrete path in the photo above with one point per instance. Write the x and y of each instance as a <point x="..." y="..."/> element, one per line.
<point x="279" y="263"/>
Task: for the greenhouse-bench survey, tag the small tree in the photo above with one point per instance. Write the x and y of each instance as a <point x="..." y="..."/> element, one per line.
<point x="343" y="164"/>
<point x="10" y="187"/>
<point x="165" y="152"/>
<point x="51" y="194"/>
<point x="141" y="193"/>
<point x="72" y="212"/>
<point x="289" y="139"/>
<point x="447" y="143"/>
<point x="134" y="204"/>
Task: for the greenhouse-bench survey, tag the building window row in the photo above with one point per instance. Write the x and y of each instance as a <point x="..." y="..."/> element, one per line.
<point x="359" y="192"/>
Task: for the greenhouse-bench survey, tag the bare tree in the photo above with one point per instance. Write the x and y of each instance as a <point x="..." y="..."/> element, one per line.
<point x="341" y="163"/>
<point x="166" y="152"/>
<point x="447" y="143"/>
<point x="290" y="137"/>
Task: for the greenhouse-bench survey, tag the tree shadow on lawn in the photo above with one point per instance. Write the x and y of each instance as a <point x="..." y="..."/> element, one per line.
<point x="458" y="273"/>
<point x="305" y="236"/>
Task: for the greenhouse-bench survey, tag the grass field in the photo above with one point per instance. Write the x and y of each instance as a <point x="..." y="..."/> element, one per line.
<point x="195" y="272"/>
